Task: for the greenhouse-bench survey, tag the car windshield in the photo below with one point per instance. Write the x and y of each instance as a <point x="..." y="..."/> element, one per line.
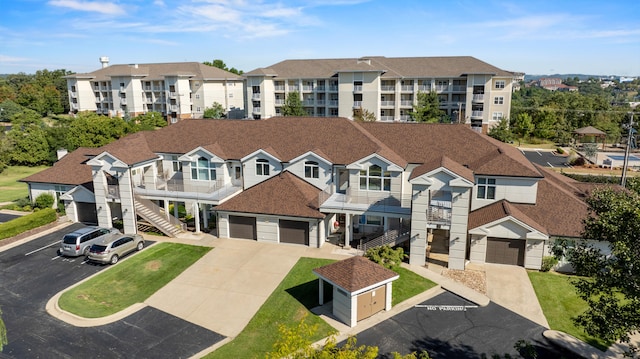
<point x="69" y="239"/>
<point x="98" y="248"/>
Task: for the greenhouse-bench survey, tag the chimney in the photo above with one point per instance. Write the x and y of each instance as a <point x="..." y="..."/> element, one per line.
<point x="104" y="60"/>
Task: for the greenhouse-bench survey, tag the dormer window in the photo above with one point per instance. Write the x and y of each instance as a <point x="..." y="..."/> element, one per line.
<point x="486" y="188"/>
<point x="262" y="167"/>
<point x="311" y="169"/>
<point x="374" y="179"/>
<point x="203" y="170"/>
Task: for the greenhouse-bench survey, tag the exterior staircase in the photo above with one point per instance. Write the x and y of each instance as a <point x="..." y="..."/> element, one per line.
<point x="392" y="237"/>
<point x="157" y="217"/>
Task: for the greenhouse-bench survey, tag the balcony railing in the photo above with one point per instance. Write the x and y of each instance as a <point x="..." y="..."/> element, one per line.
<point x="173" y="108"/>
<point x="407" y="103"/>
<point x="357" y="104"/>
<point x="459" y="88"/>
<point x="173" y="94"/>
<point x="439" y="215"/>
<point x="333" y="103"/>
<point x="387" y="88"/>
<point x="442" y="88"/>
<point x="333" y="88"/>
<point x="123" y="101"/>
<point x="478" y="97"/>
<point x="320" y="89"/>
<point x="357" y="88"/>
<point x="476" y="113"/>
<point x="406" y="88"/>
<point x="255" y="96"/>
<point x="405" y="118"/>
<point x="307" y="88"/>
<point x="365" y="200"/>
<point x="320" y="102"/>
<point x="279" y="101"/>
<point x="308" y="102"/>
<point x="387" y="103"/>
<point x="257" y="110"/>
<point x="294" y="88"/>
<point x="424" y="88"/>
<point x="386" y="118"/>
<point x="279" y="88"/>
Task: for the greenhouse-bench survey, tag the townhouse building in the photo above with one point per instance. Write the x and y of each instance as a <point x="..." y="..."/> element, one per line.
<point x="177" y="90"/>
<point x="436" y="189"/>
<point x="470" y="91"/>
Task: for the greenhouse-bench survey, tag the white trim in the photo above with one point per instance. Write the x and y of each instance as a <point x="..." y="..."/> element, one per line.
<point x="193" y="155"/>
<point x="309" y="153"/>
<point x="359" y="164"/>
<point x="532" y="232"/>
<point x="256" y="153"/>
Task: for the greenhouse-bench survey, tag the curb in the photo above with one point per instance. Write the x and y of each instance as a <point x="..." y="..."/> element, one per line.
<point x="55" y="311"/>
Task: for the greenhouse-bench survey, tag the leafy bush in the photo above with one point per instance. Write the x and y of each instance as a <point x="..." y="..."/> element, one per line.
<point x="560" y="151"/>
<point x="386" y="256"/>
<point x="548" y="262"/>
<point x="44" y="200"/>
<point x="578" y="161"/>
<point x="25" y="223"/>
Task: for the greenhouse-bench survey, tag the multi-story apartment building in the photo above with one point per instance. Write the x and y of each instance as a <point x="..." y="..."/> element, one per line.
<point x="470" y="91"/>
<point x="177" y="90"/>
<point x="435" y="188"/>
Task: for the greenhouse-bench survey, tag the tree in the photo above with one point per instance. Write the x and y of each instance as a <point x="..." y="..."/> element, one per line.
<point x="523" y="125"/>
<point x="501" y="132"/>
<point x="611" y="284"/>
<point x="363" y="115"/>
<point x="8" y="109"/>
<point x="427" y="109"/>
<point x="221" y="65"/>
<point x="150" y="121"/>
<point x="293" y="106"/>
<point x="28" y="140"/>
<point x="215" y="111"/>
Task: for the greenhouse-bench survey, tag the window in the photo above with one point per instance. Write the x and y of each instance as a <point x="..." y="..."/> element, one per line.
<point x="198" y="109"/>
<point x="203" y="170"/>
<point x="496" y="116"/>
<point x="486" y="188"/>
<point x="373" y="220"/>
<point x="311" y="169"/>
<point x="177" y="165"/>
<point x="197" y="96"/>
<point x="498" y="100"/>
<point x="500" y="84"/>
<point x="262" y="167"/>
<point x="374" y="179"/>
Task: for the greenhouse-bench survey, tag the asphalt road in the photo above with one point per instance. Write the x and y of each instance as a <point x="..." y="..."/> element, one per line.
<point x="32" y="273"/>
<point x="445" y="331"/>
<point x="545" y="158"/>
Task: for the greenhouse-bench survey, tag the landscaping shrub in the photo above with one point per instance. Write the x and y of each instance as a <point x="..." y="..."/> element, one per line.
<point x="44" y="200"/>
<point x="578" y="161"/>
<point x="560" y="151"/>
<point x="25" y="223"/>
<point x="386" y="256"/>
<point x="548" y="263"/>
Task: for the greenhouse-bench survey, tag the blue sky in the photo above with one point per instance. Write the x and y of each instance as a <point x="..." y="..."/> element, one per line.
<point x="535" y="37"/>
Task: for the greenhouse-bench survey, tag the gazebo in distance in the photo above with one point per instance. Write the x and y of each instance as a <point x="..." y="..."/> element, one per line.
<point x="590" y="131"/>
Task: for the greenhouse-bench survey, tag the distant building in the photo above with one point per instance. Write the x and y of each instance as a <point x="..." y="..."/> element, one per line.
<point x="626" y="79"/>
<point x="553" y="84"/>
<point x="177" y="90"/>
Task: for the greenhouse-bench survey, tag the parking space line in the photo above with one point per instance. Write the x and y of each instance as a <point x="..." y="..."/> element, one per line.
<point x="550" y="165"/>
<point x="42" y="248"/>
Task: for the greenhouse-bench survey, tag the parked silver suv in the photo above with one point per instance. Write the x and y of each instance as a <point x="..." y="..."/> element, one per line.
<point x="78" y="242"/>
<point x="111" y="248"/>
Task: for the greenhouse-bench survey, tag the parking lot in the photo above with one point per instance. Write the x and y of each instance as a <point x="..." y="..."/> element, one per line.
<point x="30" y="274"/>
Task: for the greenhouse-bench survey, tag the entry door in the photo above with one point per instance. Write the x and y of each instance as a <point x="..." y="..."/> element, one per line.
<point x="343" y="180"/>
<point x="371" y="302"/>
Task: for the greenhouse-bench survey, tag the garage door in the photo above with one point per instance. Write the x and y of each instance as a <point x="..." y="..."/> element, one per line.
<point x="242" y="227"/>
<point x="87" y="212"/>
<point x="506" y="251"/>
<point x="294" y="232"/>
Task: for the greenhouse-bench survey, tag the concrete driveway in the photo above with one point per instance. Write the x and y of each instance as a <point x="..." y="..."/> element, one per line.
<point x="510" y="287"/>
<point x="225" y="288"/>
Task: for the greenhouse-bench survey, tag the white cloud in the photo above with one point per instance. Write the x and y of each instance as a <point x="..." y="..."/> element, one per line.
<point x="107" y="8"/>
<point x="12" y="59"/>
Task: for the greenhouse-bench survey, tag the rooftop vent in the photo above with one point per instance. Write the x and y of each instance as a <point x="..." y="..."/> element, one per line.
<point x="364" y="60"/>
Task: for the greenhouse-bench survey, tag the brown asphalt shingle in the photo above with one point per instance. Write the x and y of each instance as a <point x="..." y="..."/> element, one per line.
<point x="157" y="71"/>
<point x="444" y="162"/>
<point x="69" y="170"/>
<point x="283" y="194"/>
<point x="499" y="210"/>
<point x="355" y="273"/>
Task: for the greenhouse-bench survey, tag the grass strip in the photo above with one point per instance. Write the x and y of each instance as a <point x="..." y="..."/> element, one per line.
<point x="131" y="281"/>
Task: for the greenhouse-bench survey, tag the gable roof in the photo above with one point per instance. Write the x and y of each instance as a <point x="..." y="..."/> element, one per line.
<point x="500" y="210"/>
<point x="284" y="194"/>
<point x="355" y="273"/>
<point x="69" y="170"/>
<point x="444" y="162"/>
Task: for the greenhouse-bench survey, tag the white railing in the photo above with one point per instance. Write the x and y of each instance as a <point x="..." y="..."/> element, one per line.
<point x="405" y="118"/>
<point x="387" y="88"/>
<point x="476" y="113"/>
<point x="333" y="103"/>
<point x="406" y="88"/>
<point x="279" y="101"/>
<point x="320" y="89"/>
<point x="123" y="101"/>
<point x="442" y="88"/>
<point x="333" y="88"/>
<point x="255" y="96"/>
<point x="309" y="102"/>
<point x="293" y="88"/>
<point x="478" y="97"/>
<point x="357" y="104"/>
<point x="279" y="88"/>
<point x="307" y="88"/>
<point x="459" y="88"/>
<point x="257" y="110"/>
<point x="386" y="118"/>
<point x="357" y="88"/>
<point x="161" y="212"/>
<point x="320" y="102"/>
<point x="424" y="88"/>
<point x="406" y="103"/>
<point x="387" y="103"/>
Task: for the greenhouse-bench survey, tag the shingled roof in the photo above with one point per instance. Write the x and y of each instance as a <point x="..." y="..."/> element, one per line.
<point x="499" y="210"/>
<point x="355" y="273"/>
<point x="284" y="194"/>
<point x="157" y="71"/>
<point x="69" y="170"/>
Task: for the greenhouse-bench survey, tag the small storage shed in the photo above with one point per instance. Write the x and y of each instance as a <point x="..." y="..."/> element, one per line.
<point x="361" y="288"/>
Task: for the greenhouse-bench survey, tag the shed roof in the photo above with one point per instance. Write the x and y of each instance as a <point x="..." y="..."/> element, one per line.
<point x="355" y="273"/>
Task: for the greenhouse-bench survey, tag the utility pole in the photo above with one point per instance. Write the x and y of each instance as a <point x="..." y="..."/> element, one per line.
<point x="623" y="180"/>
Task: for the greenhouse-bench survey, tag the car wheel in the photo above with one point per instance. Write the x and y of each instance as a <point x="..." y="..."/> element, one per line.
<point x="140" y="246"/>
<point x="86" y="251"/>
<point x="114" y="259"/>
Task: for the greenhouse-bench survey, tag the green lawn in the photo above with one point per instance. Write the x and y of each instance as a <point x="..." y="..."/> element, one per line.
<point x="10" y="188"/>
<point x="131" y="281"/>
<point x="291" y="301"/>
<point x="408" y="285"/>
<point x="560" y="303"/>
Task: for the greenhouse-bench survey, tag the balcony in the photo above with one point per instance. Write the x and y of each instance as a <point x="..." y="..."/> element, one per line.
<point x="362" y="201"/>
<point x="113" y="191"/>
<point x="357" y="88"/>
<point x="424" y="88"/>
<point x="405" y="118"/>
<point x="255" y="96"/>
<point x="173" y="94"/>
<point x="74" y="106"/>
<point x="123" y="89"/>
<point x="387" y="103"/>
<point x="386" y="118"/>
<point x="387" y="88"/>
<point x="157" y="88"/>
<point x="320" y="102"/>
<point x="174" y="108"/>
<point x="439" y="215"/>
<point x="73" y="94"/>
<point x="215" y="191"/>
<point x="443" y="88"/>
<point x="320" y="89"/>
<point x="478" y="97"/>
<point x="123" y="101"/>
<point x="357" y="104"/>
<point x="476" y="114"/>
<point x="406" y="88"/>
<point x="257" y="110"/>
<point x="406" y="103"/>
<point x="307" y="88"/>
<point x="279" y="102"/>
<point x="308" y="102"/>
<point x="279" y="88"/>
<point x="459" y="88"/>
<point x="333" y="88"/>
<point x="294" y="88"/>
<point x="333" y="103"/>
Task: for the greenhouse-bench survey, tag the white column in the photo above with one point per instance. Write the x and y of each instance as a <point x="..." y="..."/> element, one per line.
<point x="205" y="216"/>
<point x="166" y="209"/>
<point x="347" y="231"/>
<point x="388" y="299"/>
<point x="321" y="290"/>
<point x="175" y="209"/>
<point x="196" y="213"/>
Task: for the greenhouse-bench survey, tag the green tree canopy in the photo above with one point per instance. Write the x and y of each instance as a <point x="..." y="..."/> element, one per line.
<point x="28" y="138"/>
<point x="501" y="132"/>
<point x="150" y="121"/>
<point x="611" y="283"/>
<point x="221" y="65"/>
<point x="427" y="109"/>
<point x="8" y="109"/>
<point x="363" y="115"/>
<point x="293" y="105"/>
<point x="215" y="111"/>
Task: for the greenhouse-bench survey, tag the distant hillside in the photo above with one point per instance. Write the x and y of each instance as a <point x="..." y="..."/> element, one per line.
<point x="582" y="77"/>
